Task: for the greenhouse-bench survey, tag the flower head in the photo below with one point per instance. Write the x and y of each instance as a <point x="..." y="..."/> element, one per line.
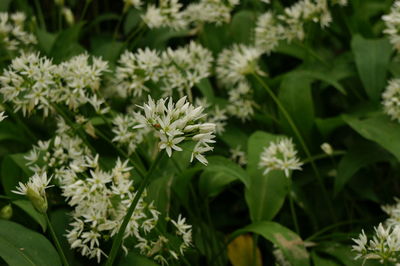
<point x="280" y="155"/>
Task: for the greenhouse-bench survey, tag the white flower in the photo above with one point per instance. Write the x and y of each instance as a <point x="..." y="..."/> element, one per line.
<point x="280" y="155"/>
<point x="35" y="191"/>
<point x="173" y="123"/>
<point x="235" y="63"/>
<point x="391" y="99"/>
<point x="2" y="116"/>
<point x="167" y="14"/>
<point x="268" y="32"/>
<point x="392" y="22"/>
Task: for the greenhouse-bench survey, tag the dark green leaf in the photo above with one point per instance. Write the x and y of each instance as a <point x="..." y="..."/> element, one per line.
<point x="265" y="194"/>
<point x="20" y="246"/>
<point x="372" y="60"/>
<point x="27" y="206"/>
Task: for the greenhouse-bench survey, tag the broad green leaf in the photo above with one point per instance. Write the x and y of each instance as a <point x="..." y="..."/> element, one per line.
<point x="109" y="51"/>
<point x="4" y="4"/>
<point x="295" y="95"/>
<point x="27" y="206"/>
<point x="327" y="125"/>
<point x="9" y="131"/>
<point x="358" y="157"/>
<point x="290" y="243"/>
<point x="131" y="21"/>
<point x="159" y="192"/>
<point x="318" y="75"/>
<point x="45" y="40"/>
<point x="219" y="173"/>
<point x="319" y="260"/>
<point x="234" y="137"/>
<point x="239" y="31"/>
<point x="20" y="246"/>
<point x="372" y="60"/>
<point x="13" y="170"/>
<point x="135" y="259"/>
<point x="206" y="89"/>
<point x="67" y="44"/>
<point x="265" y="194"/>
<point x="378" y="128"/>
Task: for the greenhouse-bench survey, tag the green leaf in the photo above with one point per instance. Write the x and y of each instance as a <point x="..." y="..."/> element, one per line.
<point x="318" y="75"/>
<point x="9" y="131"/>
<point x="219" y="173"/>
<point x="66" y="43"/>
<point x="323" y="261"/>
<point x="27" y="206"/>
<point x="372" y="60"/>
<point x="135" y="259"/>
<point x="359" y="156"/>
<point x="206" y="89"/>
<point x="4" y="5"/>
<point x="291" y="244"/>
<point x="239" y="31"/>
<point x="20" y="246"/>
<point x="13" y="170"/>
<point x="295" y="95"/>
<point x="109" y="51"/>
<point x="45" y="40"/>
<point x="378" y="128"/>
<point x="265" y="194"/>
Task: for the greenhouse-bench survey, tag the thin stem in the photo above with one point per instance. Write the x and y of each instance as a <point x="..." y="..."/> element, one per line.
<point x="85" y="8"/>
<point x="56" y="242"/>
<point x="118" y="239"/>
<point x="40" y="14"/>
<point x="300" y="139"/>
<point x="323" y="156"/>
<point x="293" y="212"/>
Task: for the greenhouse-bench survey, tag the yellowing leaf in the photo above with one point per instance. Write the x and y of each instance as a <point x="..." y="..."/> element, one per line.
<point x="241" y="252"/>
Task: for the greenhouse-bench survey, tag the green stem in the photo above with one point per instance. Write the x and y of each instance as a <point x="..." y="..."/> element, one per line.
<point x="85" y="8"/>
<point x="40" y="14"/>
<point x="323" y="156"/>
<point x="293" y="212"/>
<point x="56" y="242"/>
<point x="118" y="239"/>
<point x="300" y="139"/>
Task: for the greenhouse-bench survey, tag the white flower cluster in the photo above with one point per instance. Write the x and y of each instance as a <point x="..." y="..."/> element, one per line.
<point x="174" y="123"/>
<point x="241" y="101"/>
<point x="392" y="22"/>
<point x="391" y="99"/>
<point x="280" y="155"/>
<point x="13" y="34"/>
<point x="170" y="13"/>
<point x="2" y="116"/>
<point x="101" y="200"/>
<point x="35" y="191"/>
<point x="233" y="64"/>
<point x="172" y="70"/>
<point x="125" y="135"/>
<point x="288" y="26"/>
<point x="232" y="67"/>
<point x="33" y="83"/>
<point x="65" y="151"/>
<point x="167" y="14"/>
<point x="384" y="245"/>
<point x="134" y="3"/>
<point x="210" y="11"/>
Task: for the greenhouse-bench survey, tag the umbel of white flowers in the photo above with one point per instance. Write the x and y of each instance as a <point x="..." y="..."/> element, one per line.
<point x="280" y="155"/>
<point x="174" y="123"/>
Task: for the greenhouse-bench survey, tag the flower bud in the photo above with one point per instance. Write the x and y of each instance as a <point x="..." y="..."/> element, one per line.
<point x="38" y="201"/>
<point x="6" y="212"/>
